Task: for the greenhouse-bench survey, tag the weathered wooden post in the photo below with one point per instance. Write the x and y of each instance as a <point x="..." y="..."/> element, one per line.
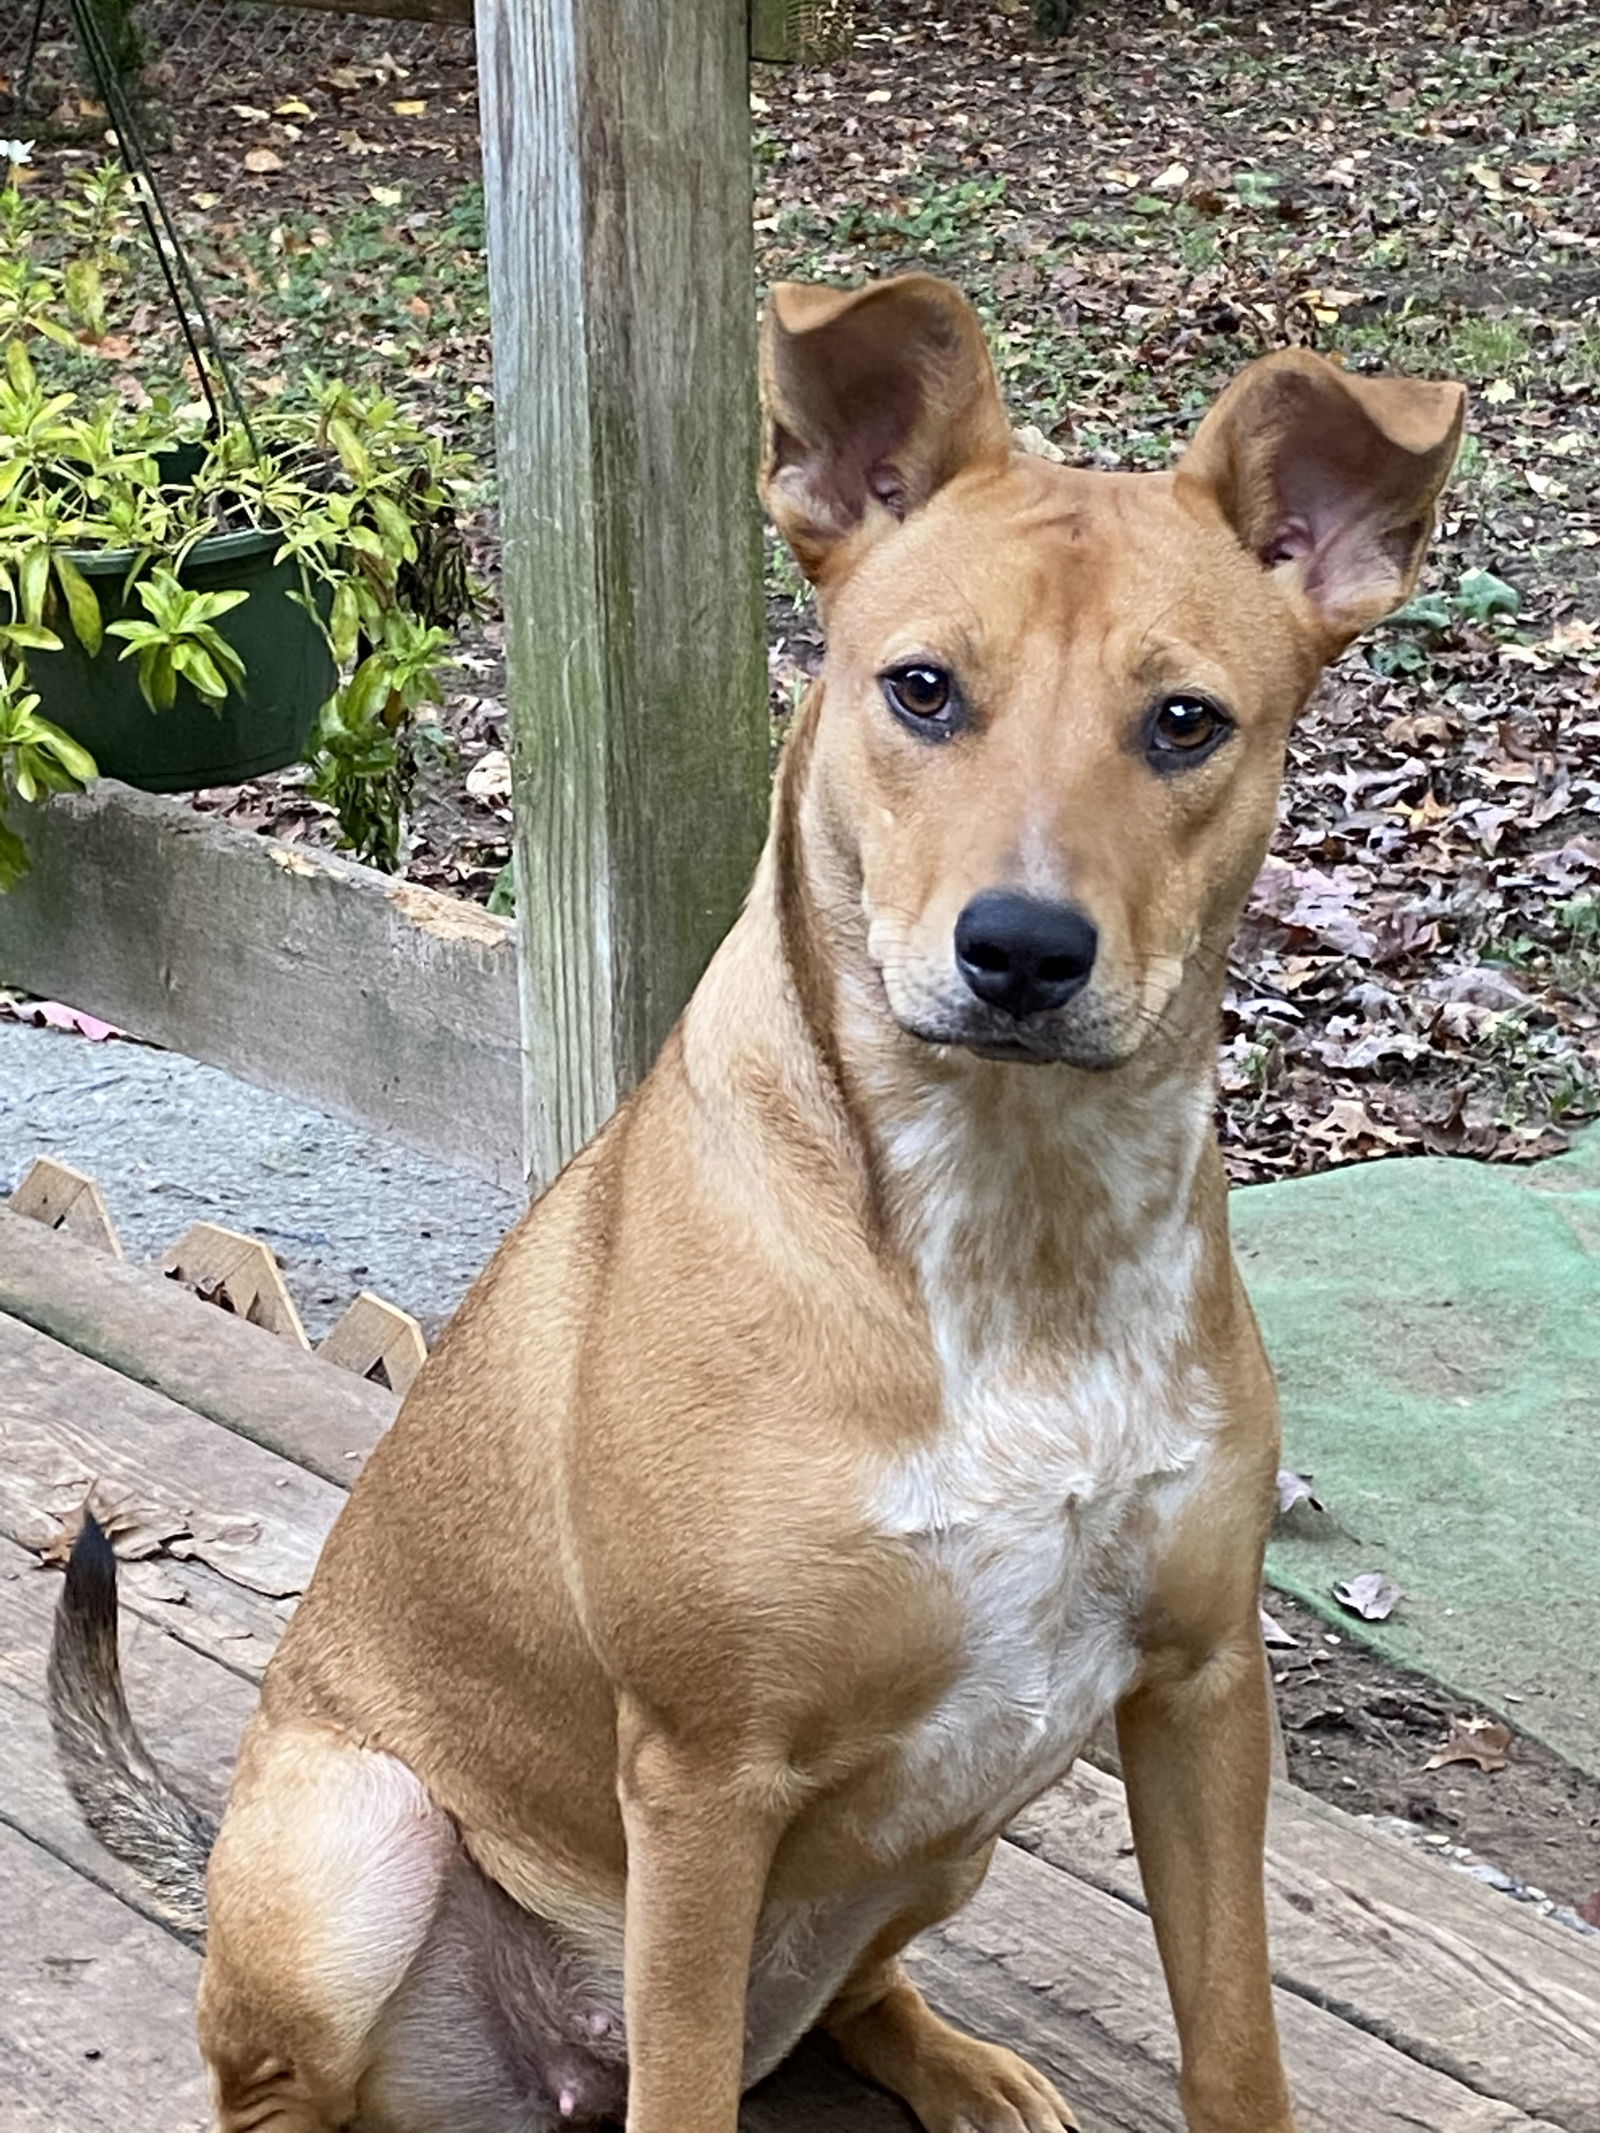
<point x="617" y="175"/>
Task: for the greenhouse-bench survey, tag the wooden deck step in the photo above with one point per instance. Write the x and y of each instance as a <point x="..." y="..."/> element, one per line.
<point x="1398" y="1944"/>
<point x="160" y="1335"/>
<point x="254" y="1522"/>
<point x="1411" y="1998"/>
<point x="96" y="2008"/>
<point x="1043" y="1960"/>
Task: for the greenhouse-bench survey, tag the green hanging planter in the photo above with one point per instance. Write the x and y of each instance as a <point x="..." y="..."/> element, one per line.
<point x="289" y="674"/>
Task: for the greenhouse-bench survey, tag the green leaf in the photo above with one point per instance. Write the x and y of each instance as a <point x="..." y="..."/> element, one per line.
<point x="353" y="456"/>
<point x="344" y="623"/>
<point x="13" y="858"/>
<point x="85" y="294"/>
<point x="394" y="526"/>
<point x="368" y="690"/>
<point x="1428" y="611"/>
<point x="503" y="896"/>
<point x="31" y="636"/>
<point x="196" y="665"/>
<point x="73" y="757"/>
<point x="83" y="608"/>
<point x="210" y="605"/>
<point x="158" y="682"/>
<point x="35" y="582"/>
<point x="1482" y="596"/>
<point x="19" y="368"/>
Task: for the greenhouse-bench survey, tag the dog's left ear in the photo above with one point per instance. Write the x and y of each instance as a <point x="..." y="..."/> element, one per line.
<point x="1329" y="479"/>
<point x="872" y="399"/>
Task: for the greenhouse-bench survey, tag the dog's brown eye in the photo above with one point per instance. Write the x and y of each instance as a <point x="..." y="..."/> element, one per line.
<point x="1186" y="726"/>
<point x="919" y="691"/>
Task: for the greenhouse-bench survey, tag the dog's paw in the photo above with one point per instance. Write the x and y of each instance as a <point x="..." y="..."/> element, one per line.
<point x="982" y="2088"/>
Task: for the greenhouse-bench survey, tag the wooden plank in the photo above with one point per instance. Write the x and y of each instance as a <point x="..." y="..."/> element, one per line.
<point x="617" y="178"/>
<point x="154" y="1332"/>
<point x="231" y="1271"/>
<point x="1069" y="1976"/>
<point x="369" y="998"/>
<point x="190" y="1710"/>
<point x="67" y="1422"/>
<point x="375" y="1336"/>
<point x="1399" y="1945"/>
<point x="62" y="1199"/>
<point x="96" y="2008"/>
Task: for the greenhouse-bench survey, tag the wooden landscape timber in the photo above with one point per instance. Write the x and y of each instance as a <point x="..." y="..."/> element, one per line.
<point x="369" y="998"/>
<point x="215" y="1362"/>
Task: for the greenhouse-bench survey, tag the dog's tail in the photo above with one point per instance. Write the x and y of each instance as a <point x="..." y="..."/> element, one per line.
<point x="131" y="1805"/>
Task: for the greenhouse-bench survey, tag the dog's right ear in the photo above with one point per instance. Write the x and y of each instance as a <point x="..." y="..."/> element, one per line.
<point x="872" y="399"/>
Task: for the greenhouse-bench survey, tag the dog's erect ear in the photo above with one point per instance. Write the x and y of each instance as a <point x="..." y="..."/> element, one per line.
<point x="872" y="399"/>
<point x="1329" y="479"/>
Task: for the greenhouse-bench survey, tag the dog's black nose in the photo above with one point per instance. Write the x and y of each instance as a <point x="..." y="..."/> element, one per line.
<point x="1022" y="955"/>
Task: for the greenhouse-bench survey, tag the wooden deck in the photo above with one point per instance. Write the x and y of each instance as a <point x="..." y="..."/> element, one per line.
<point x="1411" y="1999"/>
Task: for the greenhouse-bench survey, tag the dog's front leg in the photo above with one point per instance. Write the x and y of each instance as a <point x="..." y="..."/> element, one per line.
<point x="1196" y="1757"/>
<point x="701" y="1826"/>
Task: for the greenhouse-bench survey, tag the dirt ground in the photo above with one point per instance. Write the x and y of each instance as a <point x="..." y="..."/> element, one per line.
<point x="1360" y="1732"/>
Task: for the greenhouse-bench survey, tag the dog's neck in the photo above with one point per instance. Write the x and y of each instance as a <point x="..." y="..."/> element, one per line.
<point x="1032" y="1206"/>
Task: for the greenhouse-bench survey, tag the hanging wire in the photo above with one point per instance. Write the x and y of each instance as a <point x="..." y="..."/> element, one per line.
<point x="19" y="103"/>
<point x="174" y="261"/>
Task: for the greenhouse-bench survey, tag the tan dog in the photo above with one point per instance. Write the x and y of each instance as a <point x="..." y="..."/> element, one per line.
<point x="874" y="1407"/>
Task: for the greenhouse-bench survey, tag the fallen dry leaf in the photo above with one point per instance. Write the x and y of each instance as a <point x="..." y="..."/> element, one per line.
<point x="1275" y="1636"/>
<point x="52" y="1014"/>
<point x="490" y="777"/>
<point x="134" y="1529"/>
<point x="1370" y="1595"/>
<point x="1294" y="1489"/>
<point x="263" y="160"/>
<point x="1589" y="1909"/>
<point x="1483" y="1741"/>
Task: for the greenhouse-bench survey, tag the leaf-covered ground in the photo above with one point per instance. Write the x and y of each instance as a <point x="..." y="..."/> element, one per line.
<point x="1137" y="209"/>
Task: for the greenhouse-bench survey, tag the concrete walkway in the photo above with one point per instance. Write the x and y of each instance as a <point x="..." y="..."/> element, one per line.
<point x="170" y="1142"/>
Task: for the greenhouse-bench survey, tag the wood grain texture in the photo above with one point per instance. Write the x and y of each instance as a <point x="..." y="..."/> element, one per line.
<point x="1455" y="1976"/>
<point x="96" y="2008"/>
<point x="374" y="1000"/>
<point x="154" y="1332"/>
<point x="1069" y="1976"/>
<point x="376" y="1335"/>
<point x="66" y="1423"/>
<point x="617" y="176"/>
<point x="61" y="1199"/>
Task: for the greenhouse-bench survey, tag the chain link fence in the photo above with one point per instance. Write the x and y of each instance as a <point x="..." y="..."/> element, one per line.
<point x="198" y="51"/>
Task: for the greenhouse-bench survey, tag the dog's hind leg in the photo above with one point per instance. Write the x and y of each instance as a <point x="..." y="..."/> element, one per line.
<point x="322" y="1887"/>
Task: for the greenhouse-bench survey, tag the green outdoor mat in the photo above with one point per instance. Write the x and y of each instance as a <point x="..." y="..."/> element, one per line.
<point x="1436" y="1330"/>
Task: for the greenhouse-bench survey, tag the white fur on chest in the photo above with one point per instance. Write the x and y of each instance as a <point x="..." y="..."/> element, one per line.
<point x="1038" y="1501"/>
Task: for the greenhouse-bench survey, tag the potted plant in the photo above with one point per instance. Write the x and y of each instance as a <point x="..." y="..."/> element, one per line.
<point x="187" y="603"/>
